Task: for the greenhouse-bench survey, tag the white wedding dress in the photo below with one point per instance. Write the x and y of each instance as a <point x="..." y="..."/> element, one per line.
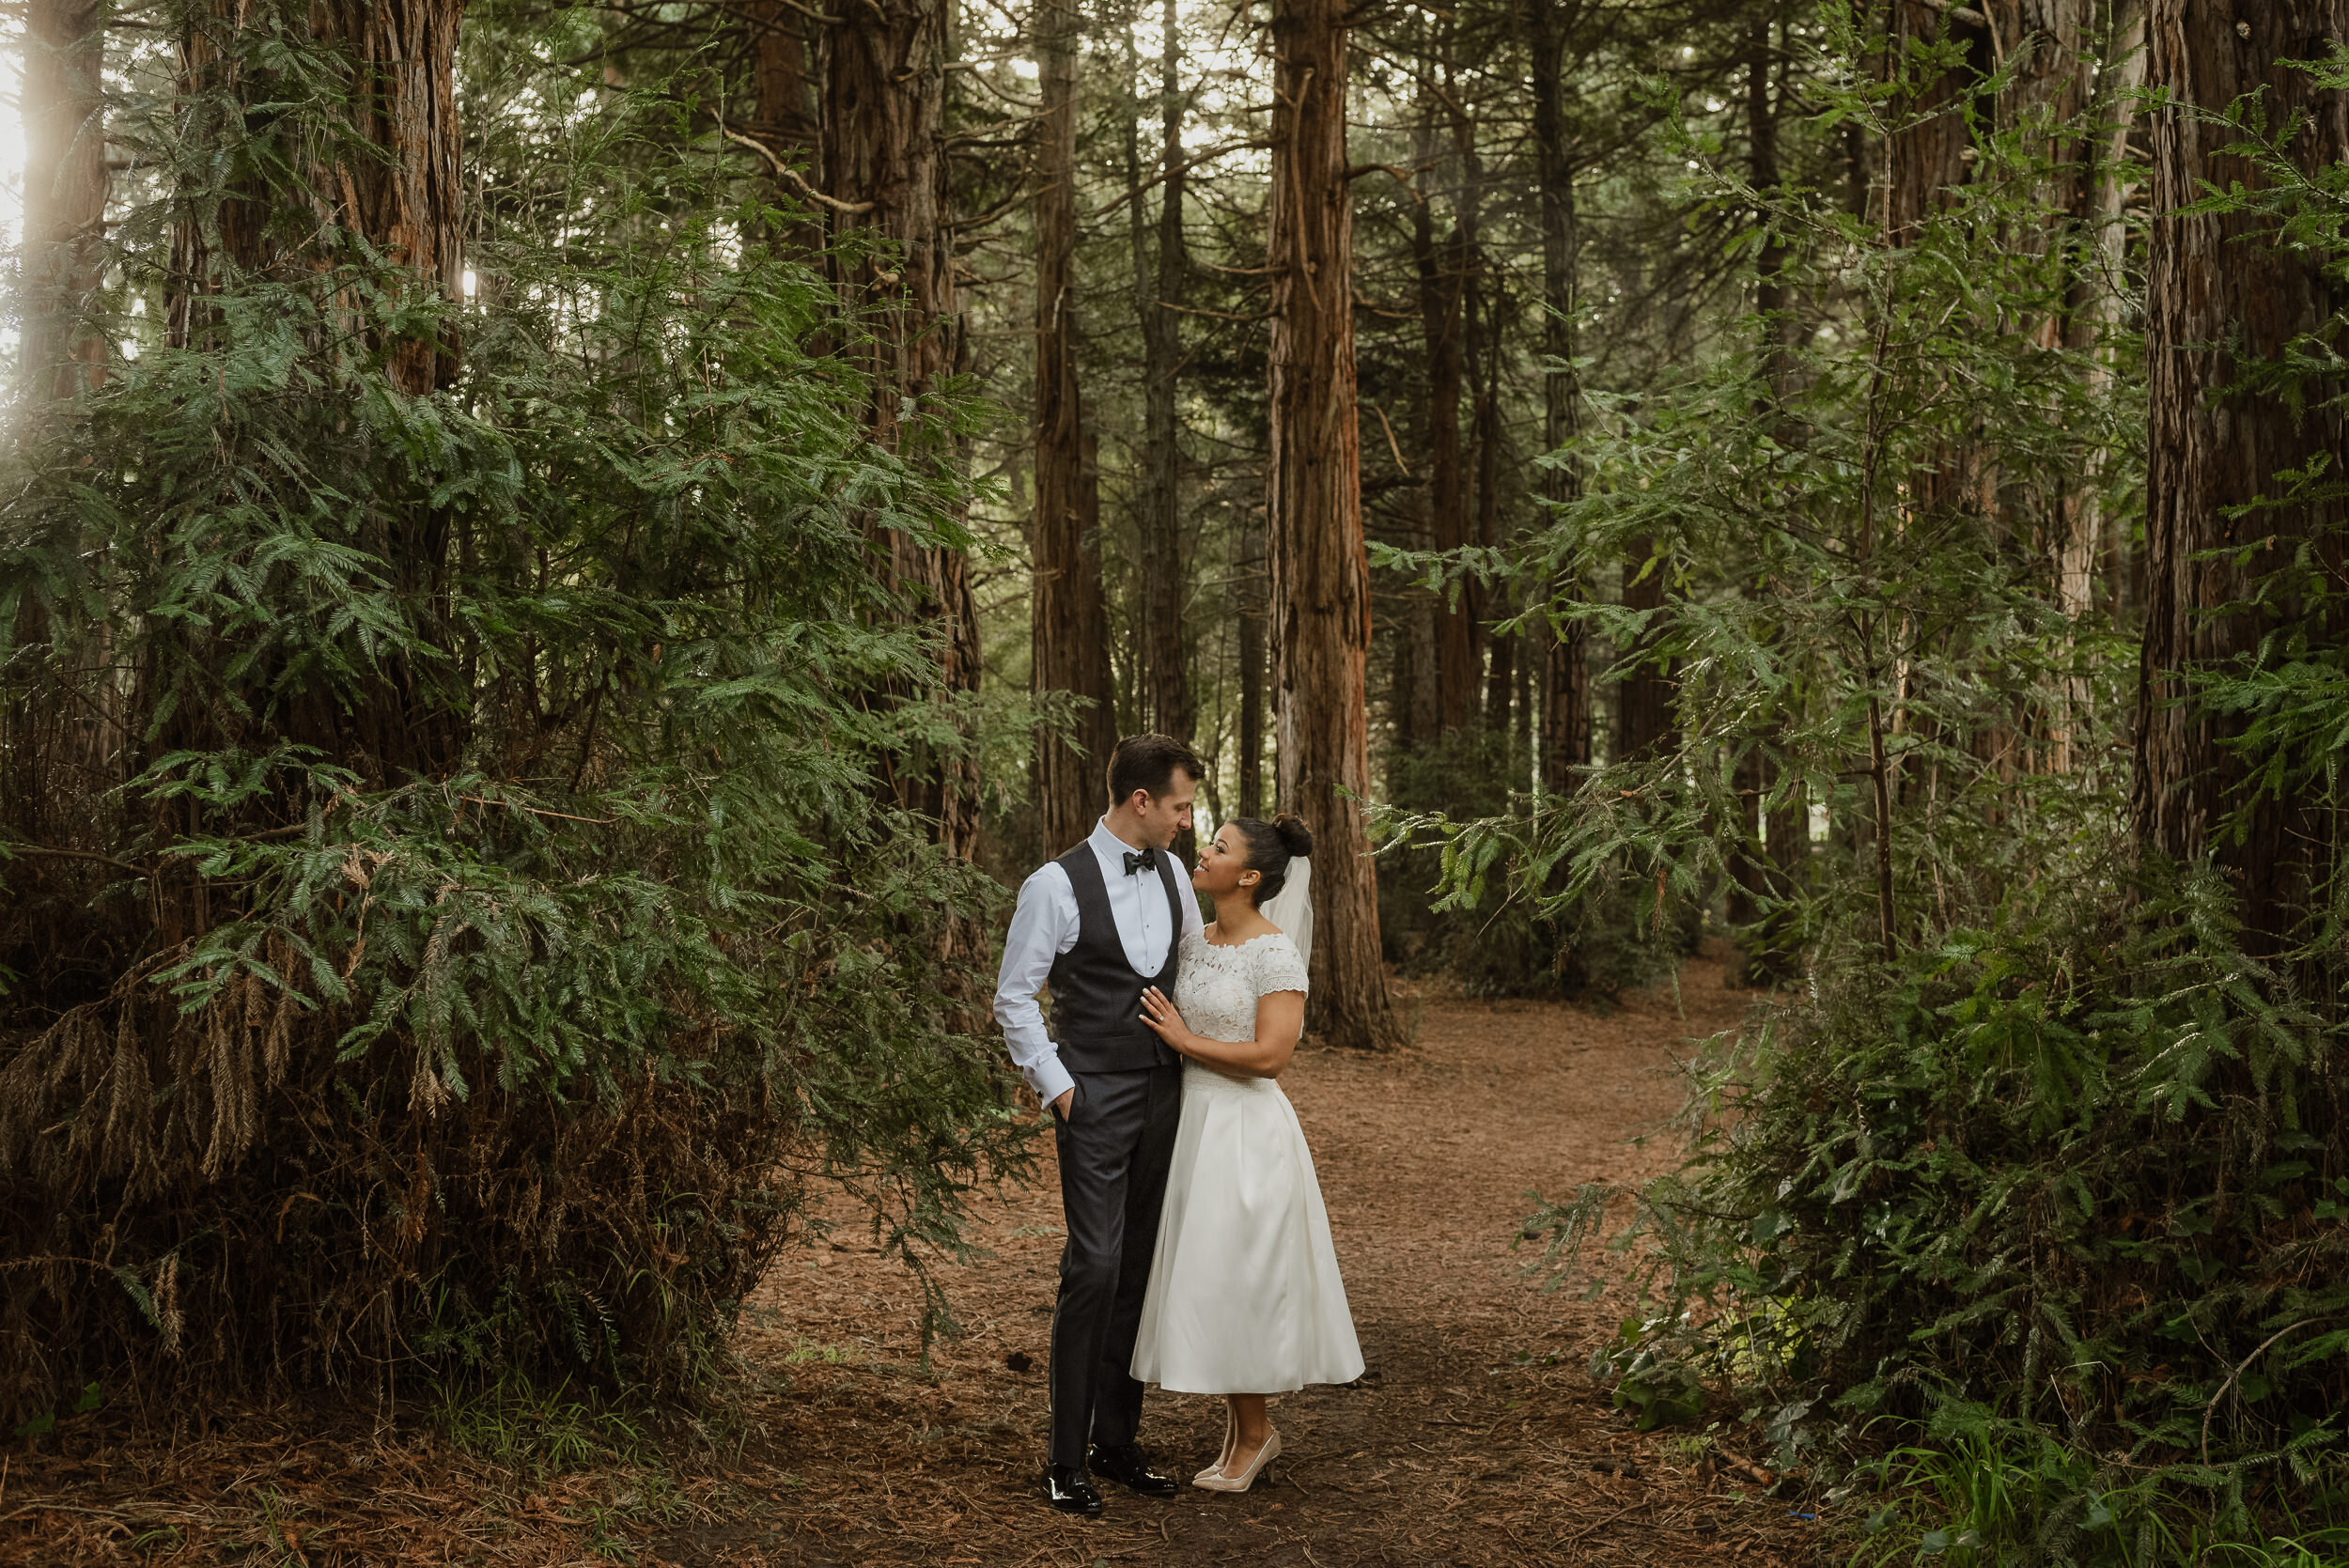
<point x="1244" y="1295"/>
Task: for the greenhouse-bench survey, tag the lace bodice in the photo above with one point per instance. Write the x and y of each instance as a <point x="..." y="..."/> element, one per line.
<point x="1217" y="989"/>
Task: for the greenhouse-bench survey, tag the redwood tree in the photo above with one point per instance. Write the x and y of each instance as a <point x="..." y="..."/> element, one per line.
<point x="1159" y="282"/>
<point x="784" y="126"/>
<point x="407" y="200"/>
<point x="1441" y="264"/>
<point x="1069" y="623"/>
<point x="884" y="182"/>
<point x="65" y="188"/>
<point x="1565" y="675"/>
<point x="65" y="199"/>
<point x="388" y="178"/>
<point x="1643" y="703"/>
<point x="1788" y="825"/>
<point x="1320" y="575"/>
<point x="2222" y="296"/>
<point x="1251" y="609"/>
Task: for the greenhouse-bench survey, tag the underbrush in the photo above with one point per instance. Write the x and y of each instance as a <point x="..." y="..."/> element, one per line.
<point x="1961" y="1492"/>
<point x="2063" y="1202"/>
<point x="1594" y="947"/>
<point x="543" y="1429"/>
<point x="464" y="868"/>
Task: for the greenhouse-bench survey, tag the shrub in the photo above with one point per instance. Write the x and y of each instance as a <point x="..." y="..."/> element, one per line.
<point x="2081" y="1179"/>
<point x="1597" y="945"/>
<point x="447" y="911"/>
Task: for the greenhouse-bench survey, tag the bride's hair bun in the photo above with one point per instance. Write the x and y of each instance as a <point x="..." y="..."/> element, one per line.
<point x="1270" y="847"/>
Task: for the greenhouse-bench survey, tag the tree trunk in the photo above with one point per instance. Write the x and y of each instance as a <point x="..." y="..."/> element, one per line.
<point x="2104" y="185"/>
<point x="65" y="193"/>
<point x="783" y="106"/>
<point x="1166" y="666"/>
<point x="1644" y="702"/>
<point x="1442" y="281"/>
<point x="1251" y="595"/>
<point x="779" y="79"/>
<point x="390" y="181"/>
<point x="1320" y="585"/>
<point x="1412" y="691"/>
<point x="1565" y="739"/>
<point x="1485" y="352"/>
<point x="65" y="204"/>
<point x="408" y="203"/>
<point x="1789" y="824"/>
<point x="1068" y="621"/>
<point x="883" y="111"/>
<point x="1927" y="160"/>
<point x="1930" y="156"/>
<point x="1753" y="869"/>
<point x="2216" y="279"/>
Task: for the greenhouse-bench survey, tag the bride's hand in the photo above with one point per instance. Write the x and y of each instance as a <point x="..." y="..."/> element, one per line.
<point x="1160" y="1015"/>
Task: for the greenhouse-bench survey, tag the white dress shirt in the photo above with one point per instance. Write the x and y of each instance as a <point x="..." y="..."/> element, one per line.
<point x="1045" y="926"/>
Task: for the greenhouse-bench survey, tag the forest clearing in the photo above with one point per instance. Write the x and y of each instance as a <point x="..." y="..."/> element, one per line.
<point x="665" y="662"/>
<point x="1475" y="1437"/>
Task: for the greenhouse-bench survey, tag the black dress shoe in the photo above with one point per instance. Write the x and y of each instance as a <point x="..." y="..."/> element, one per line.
<point x="1069" y="1490"/>
<point x="1127" y="1465"/>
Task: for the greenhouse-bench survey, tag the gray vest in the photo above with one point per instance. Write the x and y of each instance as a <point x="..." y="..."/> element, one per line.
<point x="1097" y="996"/>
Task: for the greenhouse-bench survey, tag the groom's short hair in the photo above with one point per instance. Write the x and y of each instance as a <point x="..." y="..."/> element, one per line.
<point x="1147" y="761"/>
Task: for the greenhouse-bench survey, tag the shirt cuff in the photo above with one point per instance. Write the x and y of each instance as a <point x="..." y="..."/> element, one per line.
<point x="1048" y="1078"/>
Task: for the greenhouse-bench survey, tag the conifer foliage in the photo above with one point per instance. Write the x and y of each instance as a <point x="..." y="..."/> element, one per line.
<point x="448" y="897"/>
<point x="521" y="521"/>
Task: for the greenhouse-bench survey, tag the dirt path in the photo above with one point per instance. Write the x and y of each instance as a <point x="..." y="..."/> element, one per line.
<point x="1474" y="1436"/>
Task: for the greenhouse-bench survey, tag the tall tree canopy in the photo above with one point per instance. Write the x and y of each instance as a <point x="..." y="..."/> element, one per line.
<point x="556" y="561"/>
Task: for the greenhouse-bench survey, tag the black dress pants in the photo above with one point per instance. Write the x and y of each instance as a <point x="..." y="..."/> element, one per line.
<point x="1115" y="1144"/>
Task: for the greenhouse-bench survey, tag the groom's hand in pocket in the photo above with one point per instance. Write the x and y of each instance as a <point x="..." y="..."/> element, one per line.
<point x="1060" y="1105"/>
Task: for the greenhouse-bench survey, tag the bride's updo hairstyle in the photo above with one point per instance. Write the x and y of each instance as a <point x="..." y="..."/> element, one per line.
<point x="1270" y="847"/>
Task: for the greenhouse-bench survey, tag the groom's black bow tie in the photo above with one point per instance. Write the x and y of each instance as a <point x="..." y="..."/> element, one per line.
<point x="1139" y="860"/>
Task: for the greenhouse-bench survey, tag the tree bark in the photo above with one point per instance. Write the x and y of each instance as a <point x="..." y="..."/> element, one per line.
<point x="1320" y="583"/>
<point x="390" y="181"/>
<point x="1645" y="702"/>
<point x="2220" y="279"/>
<point x="65" y="193"/>
<point x="1566" y="700"/>
<point x="884" y="97"/>
<point x="2103" y="185"/>
<point x="1166" y="664"/>
<point x="65" y="202"/>
<point x="408" y="203"/>
<point x="1442" y="273"/>
<point x="1486" y="351"/>
<point x="1413" y="715"/>
<point x="1926" y="161"/>
<point x="783" y="108"/>
<point x="1068" y="621"/>
<point x="1760" y="871"/>
<point x="779" y="96"/>
<point x="1251" y="595"/>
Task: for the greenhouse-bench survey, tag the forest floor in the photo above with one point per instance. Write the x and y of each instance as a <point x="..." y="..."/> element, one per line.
<point x="1475" y="1436"/>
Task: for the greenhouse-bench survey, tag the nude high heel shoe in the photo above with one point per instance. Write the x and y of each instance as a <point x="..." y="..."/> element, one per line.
<point x="1214" y="1473"/>
<point x="1247" y="1478"/>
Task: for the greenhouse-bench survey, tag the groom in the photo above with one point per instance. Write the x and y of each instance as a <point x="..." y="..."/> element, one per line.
<point x="1103" y="924"/>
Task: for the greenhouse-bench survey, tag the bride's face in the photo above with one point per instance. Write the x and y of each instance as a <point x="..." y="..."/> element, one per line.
<point x="1224" y="870"/>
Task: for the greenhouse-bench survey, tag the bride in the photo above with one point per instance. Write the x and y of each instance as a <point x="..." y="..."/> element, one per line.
<point x="1244" y="1299"/>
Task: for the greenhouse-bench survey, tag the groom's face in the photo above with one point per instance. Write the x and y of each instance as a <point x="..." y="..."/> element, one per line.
<point x="1165" y="816"/>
